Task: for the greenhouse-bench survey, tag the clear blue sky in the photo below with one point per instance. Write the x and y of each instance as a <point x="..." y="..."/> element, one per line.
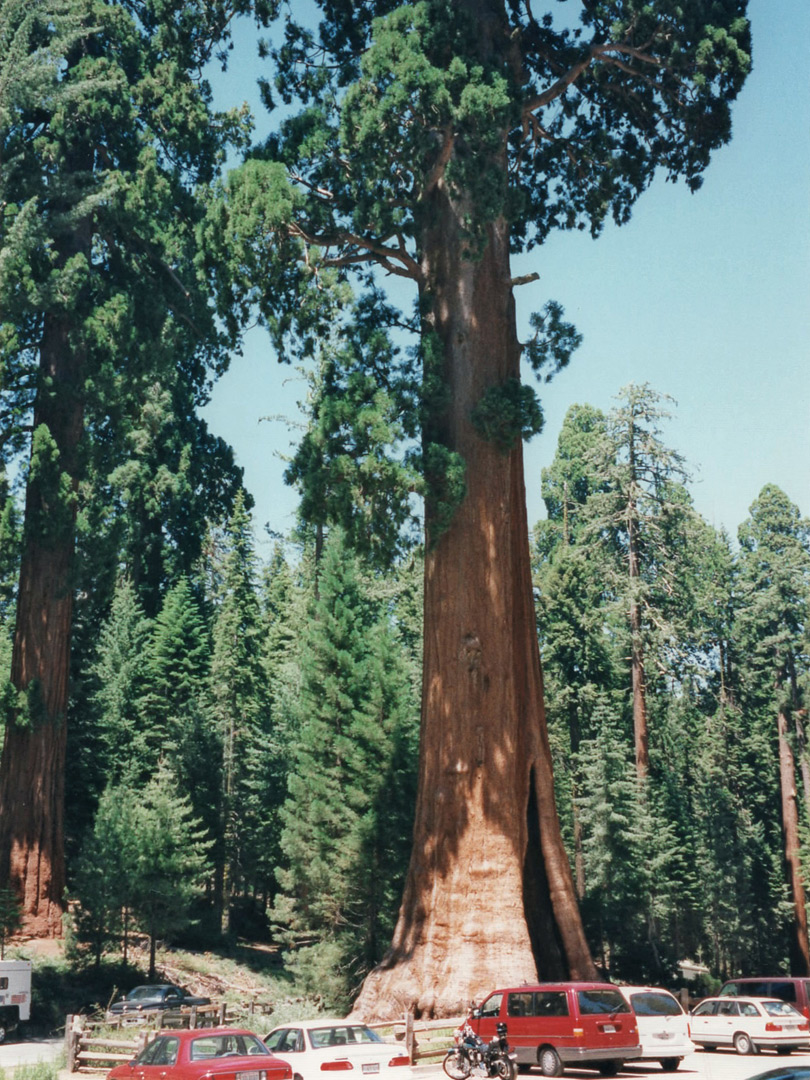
<point x="706" y="297"/>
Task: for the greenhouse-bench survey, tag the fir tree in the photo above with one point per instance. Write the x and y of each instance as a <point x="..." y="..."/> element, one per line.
<point x="175" y="724"/>
<point x="346" y="822"/>
<point x="170" y="860"/>
<point x="241" y="716"/>
<point x="774" y="586"/>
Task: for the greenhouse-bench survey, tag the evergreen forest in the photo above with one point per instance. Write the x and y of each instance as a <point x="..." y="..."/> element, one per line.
<point x="199" y="744"/>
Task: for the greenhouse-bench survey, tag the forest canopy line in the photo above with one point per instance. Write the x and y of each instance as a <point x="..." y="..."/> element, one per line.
<point x="275" y="713"/>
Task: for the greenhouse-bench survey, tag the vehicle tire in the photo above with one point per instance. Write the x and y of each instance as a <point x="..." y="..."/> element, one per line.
<point x="670" y="1064"/>
<point x="456" y="1065"/>
<point x="8" y="1024"/>
<point x="609" y="1068"/>
<point x="505" y="1068"/>
<point x="549" y="1061"/>
<point x="743" y="1044"/>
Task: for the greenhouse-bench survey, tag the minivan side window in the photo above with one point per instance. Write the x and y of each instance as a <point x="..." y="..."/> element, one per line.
<point x="492" y="1006"/>
<point x="519" y="1005"/>
<point x="601" y="1001"/>
<point x="551" y="1003"/>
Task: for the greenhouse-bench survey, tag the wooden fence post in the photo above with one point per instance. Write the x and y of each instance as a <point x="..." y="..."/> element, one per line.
<point x="410" y="1041"/>
<point x="222" y="1014"/>
<point x="70" y="1043"/>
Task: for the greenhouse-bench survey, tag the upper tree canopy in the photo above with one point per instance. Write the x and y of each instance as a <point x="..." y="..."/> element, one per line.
<point x="553" y="119"/>
<point x="587" y="101"/>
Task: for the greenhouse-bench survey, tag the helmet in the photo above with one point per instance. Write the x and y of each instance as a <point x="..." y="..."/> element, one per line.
<point x="500" y="1027"/>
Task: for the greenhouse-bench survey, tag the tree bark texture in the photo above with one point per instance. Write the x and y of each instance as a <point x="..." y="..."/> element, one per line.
<point x="641" y="739"/>
<point x="799" y="946"/>
<point x="489" y="898"/>
<point x="32" y="767"/>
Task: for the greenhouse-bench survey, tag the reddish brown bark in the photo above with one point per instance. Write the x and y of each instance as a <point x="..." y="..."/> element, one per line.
<point x="799" y="945"/>
<point x="489" y="896"/>
<point x="640" y="730"/>
<point x="32" y="766"/>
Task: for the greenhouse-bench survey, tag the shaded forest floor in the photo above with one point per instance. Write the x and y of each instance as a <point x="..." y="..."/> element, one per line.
<point x="249" y="977"/>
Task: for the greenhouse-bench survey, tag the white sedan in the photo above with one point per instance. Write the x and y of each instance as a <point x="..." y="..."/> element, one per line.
<point x="749" y="1024"/>
<point x="313" y="1047"/>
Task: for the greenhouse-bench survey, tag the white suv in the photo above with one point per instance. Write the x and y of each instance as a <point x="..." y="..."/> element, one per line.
<point x="663" y="1026"/>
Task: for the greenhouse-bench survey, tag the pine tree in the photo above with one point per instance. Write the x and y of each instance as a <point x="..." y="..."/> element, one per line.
<point x="175" y="724"/>
<point x="633" y="860"/>
<point x="772" y="634"/>
<point x="241" y="716"/>
<point x="118" y="675"/>
<point x="103" y="881"/>
<point x="633" y="518"/>
<point x="346" y="822"/>
<point x="171" y="860"/>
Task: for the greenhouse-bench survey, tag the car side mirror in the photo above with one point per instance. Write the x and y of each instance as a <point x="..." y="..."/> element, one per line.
<point x="475" y="1013"/>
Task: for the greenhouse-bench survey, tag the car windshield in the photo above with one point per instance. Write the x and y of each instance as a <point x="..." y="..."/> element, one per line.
<point x="141" y="992"/>
<point x="601" y="1001"/>
<point x="655" y="1003"/>
<point x="342" y="1035"/>
<point x="214" y="1046"/>
<point x="780" y="1008"/>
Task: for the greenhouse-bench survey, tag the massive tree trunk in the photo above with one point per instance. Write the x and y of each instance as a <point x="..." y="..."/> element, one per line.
<point x="799" y="946"/>
<point x="489" y="898"/>
<point x="32" y="767"/>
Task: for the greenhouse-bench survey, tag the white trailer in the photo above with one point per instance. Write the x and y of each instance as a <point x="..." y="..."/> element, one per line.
<point x="15" y="994"/>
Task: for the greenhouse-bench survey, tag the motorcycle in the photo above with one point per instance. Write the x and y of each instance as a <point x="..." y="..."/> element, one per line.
<point x="472" y="1057"/>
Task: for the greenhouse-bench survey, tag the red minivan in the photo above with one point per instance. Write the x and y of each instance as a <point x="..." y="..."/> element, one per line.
<point x="552" y="1025"/>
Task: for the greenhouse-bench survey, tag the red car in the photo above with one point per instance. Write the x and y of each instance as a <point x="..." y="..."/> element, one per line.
<point x="216" y="1054"/>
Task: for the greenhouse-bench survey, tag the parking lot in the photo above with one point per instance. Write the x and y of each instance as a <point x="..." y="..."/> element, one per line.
<point x="702" y="1065"/>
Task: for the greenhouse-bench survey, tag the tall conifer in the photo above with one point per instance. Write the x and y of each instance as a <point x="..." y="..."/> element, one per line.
<point x="346" y="822"/>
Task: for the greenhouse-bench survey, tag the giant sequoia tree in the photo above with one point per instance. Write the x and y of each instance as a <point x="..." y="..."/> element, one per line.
<point x="434" y="140"/>
<point x="104" y="131"/>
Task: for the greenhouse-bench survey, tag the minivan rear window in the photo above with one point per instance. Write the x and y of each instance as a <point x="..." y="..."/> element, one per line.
<point x="652" y="1003"/>
<point x="601" y="1001"/>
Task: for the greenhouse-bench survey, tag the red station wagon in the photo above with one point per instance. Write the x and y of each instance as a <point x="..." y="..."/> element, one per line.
<point x="557" y="1024"/>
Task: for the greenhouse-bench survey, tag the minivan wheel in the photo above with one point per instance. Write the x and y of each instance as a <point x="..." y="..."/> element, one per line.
<point x="670" y="1064"/>
<point x="743" y="1044"/>
<point x="549" y="1061"/>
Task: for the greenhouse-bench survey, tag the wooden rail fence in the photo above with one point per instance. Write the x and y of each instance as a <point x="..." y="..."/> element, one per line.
<point x="90" y="1047"/>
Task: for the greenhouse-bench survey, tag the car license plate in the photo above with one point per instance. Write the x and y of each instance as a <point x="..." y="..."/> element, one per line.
<point x="373" y="1067"/>
<point x="609" y="1027"/>
<point x="252" y="1074"/>
<point x="664" y="1035"/>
